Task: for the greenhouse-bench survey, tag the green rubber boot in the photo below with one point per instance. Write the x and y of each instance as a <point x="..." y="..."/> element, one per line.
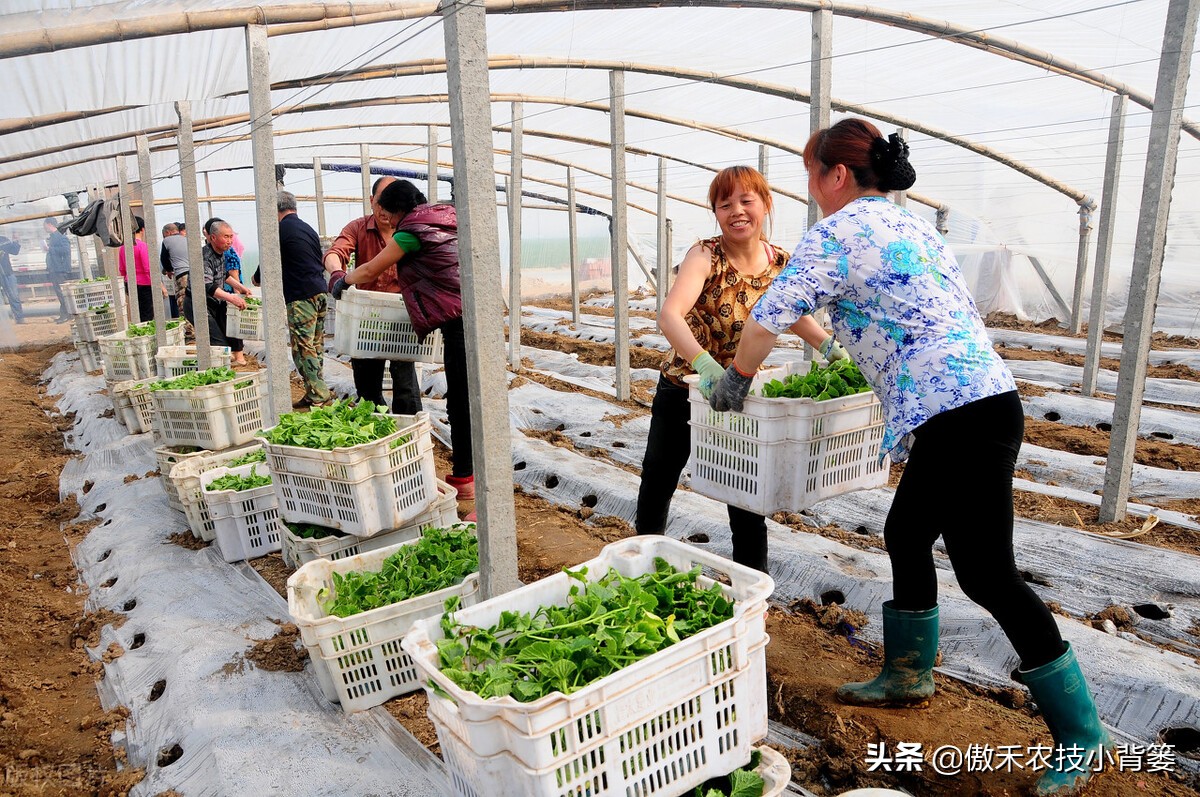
<point x="1066" y="704"/>
<point x="910" y="644"/>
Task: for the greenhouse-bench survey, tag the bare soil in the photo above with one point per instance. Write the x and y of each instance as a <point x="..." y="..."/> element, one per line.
<point x="1159" y="340"/>
<point x="1167" y="371"/>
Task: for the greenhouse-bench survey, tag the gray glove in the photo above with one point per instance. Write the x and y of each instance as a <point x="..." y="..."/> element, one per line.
<point x="730" y="392"/>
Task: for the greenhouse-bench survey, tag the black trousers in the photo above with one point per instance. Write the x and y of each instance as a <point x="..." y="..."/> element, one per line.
<point x="957" y="484"/>
<point x="458" y="399"/>
<point x="217" y="314"/>
<point x="667" y="451"/>
<point x="368" y="384"/>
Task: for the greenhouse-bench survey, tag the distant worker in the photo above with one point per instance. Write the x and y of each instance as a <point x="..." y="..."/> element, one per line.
<point x="423" y="253"/>
<point x="305" y="296"/>
<point x="219" y="237"/>
<point x="58" y="264"/>
<point x="363" y="239"/>
<point x="8" y="280"/>
<point x="173" y="257"/>
<point x="141" y="270"/>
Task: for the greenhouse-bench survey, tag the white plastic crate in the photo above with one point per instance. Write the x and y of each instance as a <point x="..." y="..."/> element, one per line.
<point x="667" y="722"/>
<point x="358" y="659"/>
<point x="775" y="771"/>
<point x="133" y="357"/>
<point x="245" y="324"/>
<point x="299" y="551"/>
<point x="80" y="296"/>
<point x="185" y="475"/>
<point x="91" y="325"/>
<point x="329" y="317"/>
<point x="361" y="490"/>
<point x="375" y="325"/>
<point x="89" y="355"/>
<point x="210" y="416"/>
<point x="132" y="404"/>
<point x="785" y="454"/>
<point x="173" y="361"/>
<point x="244" y="521"/>
<point x="167" y="457"/>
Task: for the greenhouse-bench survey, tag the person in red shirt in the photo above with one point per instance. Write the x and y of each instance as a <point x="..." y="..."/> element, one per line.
<point x="141" y="270"/>
<point x="364" y="238"/>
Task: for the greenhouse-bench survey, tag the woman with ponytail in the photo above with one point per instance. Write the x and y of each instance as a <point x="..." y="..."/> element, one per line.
<point x="899" y="304"/>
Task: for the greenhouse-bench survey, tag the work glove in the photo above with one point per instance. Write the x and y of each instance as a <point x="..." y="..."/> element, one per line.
<point x="832" y="350"/>
<point x="710" y="372"/>
<point x="730" y="391"/>
<point x="337" y="284"/>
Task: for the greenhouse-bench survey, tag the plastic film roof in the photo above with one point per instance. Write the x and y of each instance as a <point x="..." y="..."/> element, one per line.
<point x="1049" y="122"/>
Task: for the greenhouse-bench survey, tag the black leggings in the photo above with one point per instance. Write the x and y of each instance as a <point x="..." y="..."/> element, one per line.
<point x="667" y="451"/>
<point x="958" y="484"/>
<point x="458" y="397"/>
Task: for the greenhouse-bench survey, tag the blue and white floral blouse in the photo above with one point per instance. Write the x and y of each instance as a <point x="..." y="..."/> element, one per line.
<point x="898" y="303"/>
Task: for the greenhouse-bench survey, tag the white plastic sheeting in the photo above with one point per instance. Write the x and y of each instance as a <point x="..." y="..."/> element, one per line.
<point x="1049" y="121"/>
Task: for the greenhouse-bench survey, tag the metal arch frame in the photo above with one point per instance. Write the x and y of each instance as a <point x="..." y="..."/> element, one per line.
<point x="289" y="20"/>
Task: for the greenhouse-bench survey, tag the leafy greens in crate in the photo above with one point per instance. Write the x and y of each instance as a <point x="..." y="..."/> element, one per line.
<point x="257" y="455"/>
<point x="231" y="481"/>
<point x="440" y="559"/>
<point x="340" y="425"/>
<point x="193" y="379"/>
<point x="839" y="378"/>
<point x="606" y="625"/>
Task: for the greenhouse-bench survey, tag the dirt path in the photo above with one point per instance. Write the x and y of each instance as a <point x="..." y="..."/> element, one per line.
<point x="54" y="737"/>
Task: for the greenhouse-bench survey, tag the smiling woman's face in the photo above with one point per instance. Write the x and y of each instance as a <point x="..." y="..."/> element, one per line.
<point x="740" y="215"/>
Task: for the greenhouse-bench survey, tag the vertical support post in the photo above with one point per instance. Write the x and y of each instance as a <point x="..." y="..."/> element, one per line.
<point x="901" y="197"/>
<point x="146" y="178"/>
<point x="431" y="192"/>
<point x="1174" y="68"/>
<point x="319" y="188"/>
<point x="266" y="195"/>
<point x="764" y="160"/>
<point x="663" y="256"/>
<point x="1104" y="237"/>
<point x="364" y="159"/>
<point x="127" y="240"/>
<point x="94" y="193"/>
<point x="1086" y="206"/>
<point x="820" y="78"/>
<point x="517" y="131"/>
<point x="620" y="231"/>
<point x="195" y="235"/>
<point x="573" y="244"/>
<point x="475" y="199"/>
<point x="208" y="193"/>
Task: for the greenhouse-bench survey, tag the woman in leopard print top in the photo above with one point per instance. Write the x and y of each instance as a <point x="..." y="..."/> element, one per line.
<point x="718" y="284"/>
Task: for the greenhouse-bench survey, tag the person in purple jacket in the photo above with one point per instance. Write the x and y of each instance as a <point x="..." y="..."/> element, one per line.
<point x="424" y="251"/>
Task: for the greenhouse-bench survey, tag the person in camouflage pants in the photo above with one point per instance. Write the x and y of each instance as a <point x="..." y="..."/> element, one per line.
<point x="304" y="292"/>
<point x="306" y="323"/>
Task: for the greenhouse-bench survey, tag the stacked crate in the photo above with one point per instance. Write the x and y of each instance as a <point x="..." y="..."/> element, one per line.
<point x="90" y="305"/>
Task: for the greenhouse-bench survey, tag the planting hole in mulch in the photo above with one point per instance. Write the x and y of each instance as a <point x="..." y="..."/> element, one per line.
<point x="157" y="690"/>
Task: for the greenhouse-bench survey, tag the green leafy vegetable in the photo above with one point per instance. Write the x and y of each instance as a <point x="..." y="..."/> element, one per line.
<point x="146" y="328"/>
<point x="743" y="782"/>
<point x="340" y="425"/>
<point x="252" y="301"/>
<point x="257" y="455"/>
<point x="195" y="379"/>
<point x="231" y="481"/>
<point x="307" y="531"/>
<point x="103" y="309"/>
<point x="440" y="559"/>
<point x="839" y="378"/>
<point x="606" y="625"/>
<point x="93" y="279"/>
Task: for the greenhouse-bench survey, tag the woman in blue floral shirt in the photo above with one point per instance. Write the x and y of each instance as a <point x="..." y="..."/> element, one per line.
<point x="899" y="304"/>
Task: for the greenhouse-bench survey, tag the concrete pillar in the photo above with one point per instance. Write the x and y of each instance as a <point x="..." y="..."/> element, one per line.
<point x="146" y="178"/>
<point x="195" y="234"/>
<point x="764" y="162"/>
<point x="208" y="193"/>
<point x="1174" y="68"/>
<point x="127" y="239"/>
<point x="820" y="77"/>
<point x="1081" y="263"/>
<point x="662" y="256"/>
<point x="514" y="237"/>
<point x="266" y="196"/>
<point x="479" y="252"/>
<point x="1108" y="213"/>
<point x="319" y="188"/>
<point x="432" y="169"/>
<point x="364" y="159"/>
<point x="573" y="244"/>
<point x="620" y="231"/>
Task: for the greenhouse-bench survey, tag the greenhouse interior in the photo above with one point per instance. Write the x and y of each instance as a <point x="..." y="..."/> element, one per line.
<point x="720" y="340"/>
